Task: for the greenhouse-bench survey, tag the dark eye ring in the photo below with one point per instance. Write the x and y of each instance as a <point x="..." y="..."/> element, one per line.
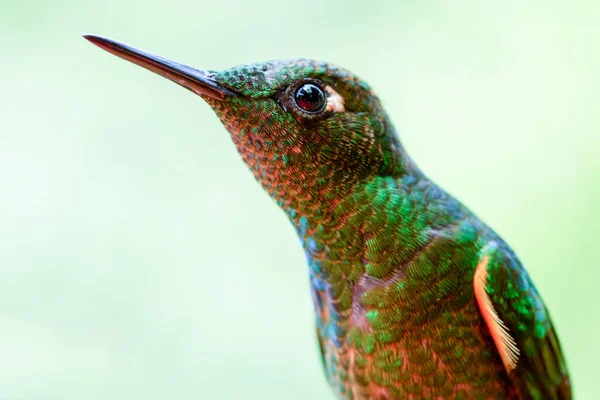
<point x="310" y="98"/>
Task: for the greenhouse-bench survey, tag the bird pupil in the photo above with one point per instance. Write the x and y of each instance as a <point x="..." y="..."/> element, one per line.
<point x="310" y="97"/>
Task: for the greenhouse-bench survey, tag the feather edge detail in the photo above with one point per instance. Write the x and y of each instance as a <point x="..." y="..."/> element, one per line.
<point x="505" y="343"/>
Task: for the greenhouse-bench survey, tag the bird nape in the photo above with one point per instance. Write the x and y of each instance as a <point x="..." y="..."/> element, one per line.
<point x="415" y="297"/>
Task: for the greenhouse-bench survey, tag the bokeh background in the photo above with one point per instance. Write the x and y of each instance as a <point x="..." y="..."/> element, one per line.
<point x="139" y="259"/>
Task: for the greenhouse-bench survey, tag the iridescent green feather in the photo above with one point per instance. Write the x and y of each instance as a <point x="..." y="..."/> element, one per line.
<point x="392" y="257"/>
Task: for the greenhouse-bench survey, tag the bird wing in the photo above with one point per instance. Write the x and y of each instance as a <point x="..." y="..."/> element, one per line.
<point x="520" y="325"/>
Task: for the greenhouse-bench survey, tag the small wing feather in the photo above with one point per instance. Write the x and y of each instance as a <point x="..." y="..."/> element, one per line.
<point x="520" y="325"/>
<point x="506" y="344"/>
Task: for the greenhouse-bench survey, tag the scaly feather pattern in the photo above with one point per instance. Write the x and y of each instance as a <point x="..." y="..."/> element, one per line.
<point x="415" y="297"/>
<point x="391" y="256"/>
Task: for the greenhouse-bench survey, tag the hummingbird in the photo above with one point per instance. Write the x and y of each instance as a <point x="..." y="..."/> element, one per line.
<point x="415" y="297"/>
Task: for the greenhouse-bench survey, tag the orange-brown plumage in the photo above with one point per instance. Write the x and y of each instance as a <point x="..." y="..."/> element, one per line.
<point x="415" y="297"/>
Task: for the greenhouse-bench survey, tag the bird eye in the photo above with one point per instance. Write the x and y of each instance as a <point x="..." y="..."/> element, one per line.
<point x="310" y="98"/>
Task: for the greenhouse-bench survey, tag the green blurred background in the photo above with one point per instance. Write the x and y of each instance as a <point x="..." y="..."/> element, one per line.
<point x="138" y="257"/>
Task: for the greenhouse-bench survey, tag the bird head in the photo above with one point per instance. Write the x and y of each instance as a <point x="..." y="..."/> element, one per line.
<point x="309" y="131"/>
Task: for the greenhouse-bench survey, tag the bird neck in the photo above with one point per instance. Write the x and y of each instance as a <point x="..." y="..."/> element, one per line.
<point x="325" y="198"/>
<point x="354" y="212"/>
<point x="346" y="242"/>
<point x="306" y="178"/>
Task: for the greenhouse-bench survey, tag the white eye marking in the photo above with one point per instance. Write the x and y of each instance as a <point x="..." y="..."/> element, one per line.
<point x="335" y="102"/>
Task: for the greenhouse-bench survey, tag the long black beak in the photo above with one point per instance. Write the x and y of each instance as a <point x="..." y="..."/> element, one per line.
<point x="198" y="81"/>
